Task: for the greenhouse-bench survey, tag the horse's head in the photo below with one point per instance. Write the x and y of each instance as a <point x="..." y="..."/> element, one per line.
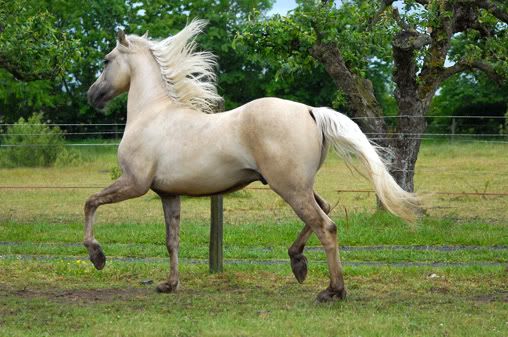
<point x="183" y="74"/>
<point x="115" y="78"/>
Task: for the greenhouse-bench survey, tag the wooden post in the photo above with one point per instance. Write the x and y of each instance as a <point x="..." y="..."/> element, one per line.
<point x="453" y="129"/>
<point x="215" y="252"/>
<point x="216" y="256"/>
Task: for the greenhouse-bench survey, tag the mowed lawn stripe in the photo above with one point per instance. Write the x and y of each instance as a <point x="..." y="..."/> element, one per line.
<point x="20" y="257"/>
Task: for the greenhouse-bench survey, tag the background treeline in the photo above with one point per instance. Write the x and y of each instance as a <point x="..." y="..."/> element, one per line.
<point x="51" y="52"/>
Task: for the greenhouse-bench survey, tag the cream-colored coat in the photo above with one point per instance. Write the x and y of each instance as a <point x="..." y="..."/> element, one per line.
<point x="171" y="146"/>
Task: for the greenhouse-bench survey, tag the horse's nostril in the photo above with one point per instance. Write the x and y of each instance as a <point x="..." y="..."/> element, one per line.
<point x="96" y="95"/>
<point x="90" y="94"/>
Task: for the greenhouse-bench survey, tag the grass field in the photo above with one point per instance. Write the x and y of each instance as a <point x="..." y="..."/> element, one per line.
<point x="443" y="276"/>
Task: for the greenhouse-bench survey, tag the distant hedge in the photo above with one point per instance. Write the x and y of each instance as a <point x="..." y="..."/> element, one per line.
<point x="31" y="143"/>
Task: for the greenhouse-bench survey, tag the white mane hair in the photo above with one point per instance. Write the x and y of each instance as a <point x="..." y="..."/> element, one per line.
<point x="189" y="76"/>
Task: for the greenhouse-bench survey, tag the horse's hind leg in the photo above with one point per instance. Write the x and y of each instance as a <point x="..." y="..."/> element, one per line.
<point x="122" y="189"/>
<point x="308" y="209"/>
<point x="171" y="207"/>
<point x="295" y="252"/>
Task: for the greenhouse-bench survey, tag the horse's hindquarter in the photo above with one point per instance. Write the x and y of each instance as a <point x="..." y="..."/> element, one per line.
<point x="284" y="141"/>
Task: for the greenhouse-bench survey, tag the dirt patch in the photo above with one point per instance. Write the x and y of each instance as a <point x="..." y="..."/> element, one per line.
<point x="439" y="290"/>
<point x="102" y="295"/>
<point x="497" y="296"/>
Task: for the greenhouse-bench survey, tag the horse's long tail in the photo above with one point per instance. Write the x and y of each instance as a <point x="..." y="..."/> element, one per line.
<point x="348" y="140"/>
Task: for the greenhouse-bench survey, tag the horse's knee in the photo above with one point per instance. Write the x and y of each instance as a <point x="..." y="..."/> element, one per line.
<point x="327" y="229"/>
<point x="172" y="246"/>
<point x="294" y="251"/>
<point x="174" y="218"/>
<point x="332" y="228"/>
<point x="91" y="204"/>
<point x="327" y="234"/>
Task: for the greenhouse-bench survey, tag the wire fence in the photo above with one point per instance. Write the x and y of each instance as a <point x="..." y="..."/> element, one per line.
<point x="485" y="191"/>
<point x="115" y="131"/>
<point x="57" y="187"/>
<point x="476" y="118"/>
<point x="253" y="205"/>
<point x="117" y="143"/>
<point x="353" y="118"/>
<point x="366" y="133"/>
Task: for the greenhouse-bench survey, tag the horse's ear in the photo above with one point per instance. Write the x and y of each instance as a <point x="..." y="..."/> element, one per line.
<point x="145" y="36"/>
<point x="122" y="39"/>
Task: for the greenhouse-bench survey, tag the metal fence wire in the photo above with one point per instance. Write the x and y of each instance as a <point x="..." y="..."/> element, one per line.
<point x="116" y="129"/>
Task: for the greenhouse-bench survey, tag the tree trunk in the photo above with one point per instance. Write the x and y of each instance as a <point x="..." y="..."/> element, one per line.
<point x="359" y="91"/>
<point x="411" y="122"/>
<point x="415" y="86"/>
<point x="406" y="145"/>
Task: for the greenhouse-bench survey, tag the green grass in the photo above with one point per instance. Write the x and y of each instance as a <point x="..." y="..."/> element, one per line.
<point x="66" y="296"/>
<point x="469" y="167"/>
<point x="70" y="299"/>
<point x="265" y="241"/>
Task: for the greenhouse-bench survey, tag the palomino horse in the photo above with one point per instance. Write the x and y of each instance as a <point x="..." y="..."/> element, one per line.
<point x="173" y="145"/>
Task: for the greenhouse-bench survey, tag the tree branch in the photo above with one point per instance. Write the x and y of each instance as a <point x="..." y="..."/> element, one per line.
<point x="26" y="76"/>
<point x="402" y="24"/>
<point x="452" y="70"/>
<point x="411" y="40"/>
<point x="489" y="70"/>
<point x="384" y="4"/>
<point x="488" y="5"/>
<point x="492" y="8"/>
<point x="464" y="66"/>
<point x="17" y="73"/>
<point x="358" y="90"/>
<point x="484" y="30"/>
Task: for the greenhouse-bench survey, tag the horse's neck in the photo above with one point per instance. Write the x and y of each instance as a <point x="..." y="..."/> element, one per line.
<point x="146" y="89"/>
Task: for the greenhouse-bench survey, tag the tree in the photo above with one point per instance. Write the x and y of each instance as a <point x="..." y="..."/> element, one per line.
<point x="470" y="94"/>
<point x="33" y="55"/>
<point x="359" y="37"/>
<point x="53" y="76"/>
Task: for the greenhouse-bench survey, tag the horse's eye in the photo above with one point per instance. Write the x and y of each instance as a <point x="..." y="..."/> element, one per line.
<point x="106" y="62"/>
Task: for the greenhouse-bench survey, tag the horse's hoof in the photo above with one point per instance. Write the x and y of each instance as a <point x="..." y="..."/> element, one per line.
<point x="299" y="267"/>
<point x="329" y="295"/>
<point x="166" y="287"/>
<point x="96" y="255"/>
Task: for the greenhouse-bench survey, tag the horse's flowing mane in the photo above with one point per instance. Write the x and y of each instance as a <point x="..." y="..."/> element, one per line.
<point x="189" y="76"/>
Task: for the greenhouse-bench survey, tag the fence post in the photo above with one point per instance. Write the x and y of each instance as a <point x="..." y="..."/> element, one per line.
<point x="454" y="125"/>
<point x="216" y="256"/>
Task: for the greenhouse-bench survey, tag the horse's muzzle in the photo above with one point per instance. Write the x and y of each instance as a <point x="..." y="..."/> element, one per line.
<point x="98" y="96"/>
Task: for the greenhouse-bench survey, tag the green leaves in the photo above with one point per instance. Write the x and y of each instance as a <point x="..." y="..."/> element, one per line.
<point x="282" y="43"/>
<point x="31" y="46"/>
<point x="50" y="51"/>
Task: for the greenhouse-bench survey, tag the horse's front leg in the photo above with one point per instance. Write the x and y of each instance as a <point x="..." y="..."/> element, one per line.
<point x="171" y="206"/>
<point x="124" y="188"/>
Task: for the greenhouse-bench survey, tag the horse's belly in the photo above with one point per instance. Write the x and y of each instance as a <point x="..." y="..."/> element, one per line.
<point x="203" y="182"/>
